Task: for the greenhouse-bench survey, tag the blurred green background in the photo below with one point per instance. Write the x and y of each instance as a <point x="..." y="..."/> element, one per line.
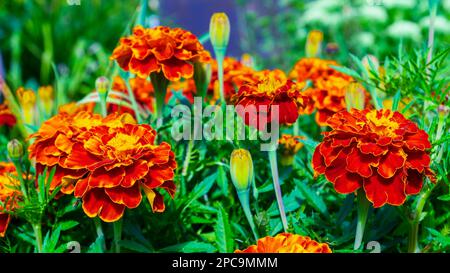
<point x="77" y="36"/>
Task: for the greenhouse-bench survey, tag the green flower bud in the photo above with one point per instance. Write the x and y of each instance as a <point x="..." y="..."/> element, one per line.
<point x="219" y="30"/>
<point x="102" y="85"/>
<point x="241" y="169"/>
<point x="15" y="149"/>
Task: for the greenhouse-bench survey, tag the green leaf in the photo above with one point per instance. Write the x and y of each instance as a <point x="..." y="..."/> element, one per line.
<point x="312" y="197"/>
<point x="190" y="247"/>
<point x="201" y="189"/>
<point x="96" y="247"/>
<point x="68" y="225"/>
<point x="444" y="197"/>
<point x="222" y="181"/>
<point x="224" y="236"/>
<point x="347" y="71"/>
<point x="396" y="101"/>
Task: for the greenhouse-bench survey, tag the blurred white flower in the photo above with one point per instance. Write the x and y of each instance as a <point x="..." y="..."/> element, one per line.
<point x="320" y="16"/>
<point x="401" y="4"/>
<point x="446" y="5"/>
<point x="441" y="24"/>
<point x="325" y="4"/>
<point x="365" y="39"/>
<point x="373" y="13"/>
<point x="404" y="29"/>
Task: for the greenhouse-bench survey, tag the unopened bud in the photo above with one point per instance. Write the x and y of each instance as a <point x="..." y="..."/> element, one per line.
<point x="15" y="149"/>
<point x="219" y="30"/>
<point x="314" y="43"/>
<point x="102" y="85"/>
<point x="241" y="169"/>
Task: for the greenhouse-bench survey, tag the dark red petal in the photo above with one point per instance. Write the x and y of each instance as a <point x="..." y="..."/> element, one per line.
<point x="390" y="163"/>
<point x="380" y="190"/>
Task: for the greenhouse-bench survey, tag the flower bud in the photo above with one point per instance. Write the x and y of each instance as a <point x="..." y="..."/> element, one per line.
<point x="15" y="149"/>
<point x="314" y="43"/>
<point x="241" y="169"/>
<point x="27" y="100"/>
<point x="219" y="30"/>
<point x="355" y="96"/>
<point x="102" y="85"/>
<point x="289" y="147"/>
<point x="45" y="94"/>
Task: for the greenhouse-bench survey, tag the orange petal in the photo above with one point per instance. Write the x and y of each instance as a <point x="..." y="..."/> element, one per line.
<point x="134" y="173"/>
<point x="174" y="69"/>
<point x="155" y="199"/>
<point x="390" y="163"/>
<point x="102" y="178"/>
<point x="130" y="197"/>
<point x="380" y="190"/>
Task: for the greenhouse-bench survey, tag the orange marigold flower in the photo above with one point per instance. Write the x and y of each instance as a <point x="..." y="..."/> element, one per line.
<point x="286" y="243"/>
<point x="73" y="108"/>
<point x="106" y="162"/>
<point x="121" y="163"/>
<point x="257" y="100"/>
<point x="170" y="50"/>
<point x="289" y="147"/>
<point x="6" y="116"/>
<point x="54" y="141"/>
<point x="315" y="69"/>
<point x="9" y="194"/>
<point x="379" y="151"/>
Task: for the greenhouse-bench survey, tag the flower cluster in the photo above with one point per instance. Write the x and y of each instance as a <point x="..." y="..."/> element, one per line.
<point x="6" y="116"/>
<point x="105" y="161"/>
<point x="328" y="90"/>
<point x="258" y="98"/>
<point x="379" y="151"/>
<point x="287" y="243"/>
<point x="170" y="50"/>
<point x="9" y="195"/>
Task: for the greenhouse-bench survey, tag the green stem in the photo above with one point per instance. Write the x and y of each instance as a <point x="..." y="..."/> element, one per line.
<point x="413" y="240"/>
<point x="99" y="231"/>
<point x="363" y="210"/>
<point x="160" y="84"/>
<point x="220" y="56"/>
<point x="117" y="235"/>
<point x="133" y="101"/>
<point x="277" y="187"/>
<point x="187" y="159"/>
<point x="102" y="99"/>
<point x="37" y="228"/>
<point x="245" y="203"/>
<point x="23" y="188"/>
<point x="142" y="12"/>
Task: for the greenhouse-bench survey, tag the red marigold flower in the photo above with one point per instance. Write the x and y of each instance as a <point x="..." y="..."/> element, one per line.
<point x="9" y="194"/>
<point x="378" y="150"/>
<point x="170" y="50"/>
<point x="315" y="69"/>
<point x="287" y="243"/>
<point x="6" y="116"/>
<point x="267" y="93"/>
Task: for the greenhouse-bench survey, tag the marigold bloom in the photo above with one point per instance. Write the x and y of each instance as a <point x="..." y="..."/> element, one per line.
<point x="73" y="108"/>
<point x="105" y="161"/>
<point x="289" y="147"/>
<point x="287" y="243"/>
<point x="6" y="116"/>
<point x="314" y="43"/>
<point x="170" y="50"/>
<point x="315" y="69"/>
<point x="268" y="93"/>
<point x="377" y="150"/>
<point x="328" y="98"/>
<point x="9" y="194"/>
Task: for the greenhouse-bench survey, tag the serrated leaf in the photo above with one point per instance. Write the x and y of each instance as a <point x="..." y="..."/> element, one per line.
<point x="224" y="236"/>
<point x="312" y="197"/>
<point x="201" y="189"/>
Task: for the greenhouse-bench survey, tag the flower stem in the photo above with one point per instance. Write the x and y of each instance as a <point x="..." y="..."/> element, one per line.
<point x="99" y="230"/>
<point x="220" y="56"/>
<point x="363" y="210"/>
<point x="103" y="108"/>
<point x="245" y="203"/>
<point x="413" y="245"/>
<point x="117" y="235"/>
<point x="133" y="101"/>
<point x="37" y="228"/>
<point x="277" y="187"/>
<point x="187" y="158"/>
<point x="160" y="84"/>
<point x="23" y="189"/>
